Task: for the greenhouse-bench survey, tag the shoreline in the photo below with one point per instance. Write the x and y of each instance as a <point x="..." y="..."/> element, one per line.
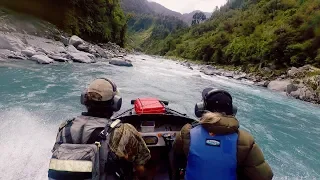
<point x="301" y="83"/>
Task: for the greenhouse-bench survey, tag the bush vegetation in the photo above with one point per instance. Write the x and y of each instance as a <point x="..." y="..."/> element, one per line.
<point x="250" y="34"/>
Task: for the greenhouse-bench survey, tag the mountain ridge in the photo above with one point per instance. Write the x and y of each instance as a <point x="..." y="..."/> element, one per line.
<point x="154" y="8"/>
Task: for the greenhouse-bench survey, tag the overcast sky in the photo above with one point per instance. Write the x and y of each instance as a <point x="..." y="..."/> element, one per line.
<point x="186" y="6"/>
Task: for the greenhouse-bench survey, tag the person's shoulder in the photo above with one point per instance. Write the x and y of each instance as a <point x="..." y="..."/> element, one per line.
<point x="185" y="131"/>
<point x="65" y="123"/>
<point x="245" y="138"/>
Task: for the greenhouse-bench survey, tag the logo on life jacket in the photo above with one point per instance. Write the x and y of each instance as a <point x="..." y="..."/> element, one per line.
<point x="212" y="142"/>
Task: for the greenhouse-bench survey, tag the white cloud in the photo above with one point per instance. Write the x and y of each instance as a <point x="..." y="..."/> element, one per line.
<point x="186" y="6"/>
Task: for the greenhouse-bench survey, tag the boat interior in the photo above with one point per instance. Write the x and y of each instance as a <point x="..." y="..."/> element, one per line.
<point x="159" y="132"/>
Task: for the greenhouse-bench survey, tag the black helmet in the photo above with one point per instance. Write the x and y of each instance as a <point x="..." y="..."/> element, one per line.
<point x="215" y="100"/>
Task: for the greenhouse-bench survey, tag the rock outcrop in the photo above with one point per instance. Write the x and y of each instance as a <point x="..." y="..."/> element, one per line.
<point x="11" y="43"/>
<point x="16" y="55"/>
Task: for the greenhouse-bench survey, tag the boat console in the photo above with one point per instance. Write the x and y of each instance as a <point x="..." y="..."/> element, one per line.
<point x="158" y="126"/>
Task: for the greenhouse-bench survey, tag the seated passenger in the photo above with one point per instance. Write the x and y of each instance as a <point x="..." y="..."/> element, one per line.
<point x="216" y="148"/>
<point x="118" y="151"/>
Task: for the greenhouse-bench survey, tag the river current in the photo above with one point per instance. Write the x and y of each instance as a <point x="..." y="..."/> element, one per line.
<point x="35" y="99"/>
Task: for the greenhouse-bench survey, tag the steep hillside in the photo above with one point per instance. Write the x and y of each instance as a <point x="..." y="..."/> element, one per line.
<point x="145" y="31"/>
<point x="161" y="10"/>
<point x="152" y="8"/>
<point x="253" y="34"/>
<point x="136" y="6"/>
<point x="187" y="17"/>
<point x="99" y="21"/>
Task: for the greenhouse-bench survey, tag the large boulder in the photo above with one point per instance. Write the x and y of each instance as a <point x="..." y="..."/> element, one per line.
<point x="75" y="41"/>
<point x="11" y="43"/>
<point x="79" y="56"/>
<point x="84" y="47"/>
<point x="61" y="50"/>
<point x="42" y="59"/>
<point x="293" y="72"/>
<point x="120" y="62"/>
<point x="279" y="85"/>
<point x="103" y="53"/>
<point x="291" y="88"/>
<point x="305" y="94"/>
<point x="82" y="57"/>
<point x="64" y="40"/>
<point x="29" y="52"/>
<point x="72" y="49"/>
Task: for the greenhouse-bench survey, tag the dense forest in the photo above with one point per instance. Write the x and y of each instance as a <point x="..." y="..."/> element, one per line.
<point x="146" y="31"/>
<point x="93" y="20"/>
<point x="249" y="34"/>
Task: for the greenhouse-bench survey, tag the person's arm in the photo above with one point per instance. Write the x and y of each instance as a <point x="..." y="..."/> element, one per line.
<point x="253" y="165"/>
<point x="180" y="150"/>
<point x="142" y="157"/>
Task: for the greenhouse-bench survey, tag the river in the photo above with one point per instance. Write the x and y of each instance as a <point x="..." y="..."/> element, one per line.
<point x="35" y="99"/>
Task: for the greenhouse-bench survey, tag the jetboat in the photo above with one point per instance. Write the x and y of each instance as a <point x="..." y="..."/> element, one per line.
<point x="158" y="125"/>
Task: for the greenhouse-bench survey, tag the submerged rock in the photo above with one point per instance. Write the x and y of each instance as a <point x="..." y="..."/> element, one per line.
<point x="42" y="59"/>
<point x="120" y="62"/>
<point x="279" y="85"/>
<point x="75" y="41"/>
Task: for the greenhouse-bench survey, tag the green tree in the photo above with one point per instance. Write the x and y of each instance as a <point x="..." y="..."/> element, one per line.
<point x="198" y="17"/>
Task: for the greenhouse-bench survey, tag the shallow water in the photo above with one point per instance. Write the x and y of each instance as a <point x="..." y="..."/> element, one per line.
<point x="35" y="99"/>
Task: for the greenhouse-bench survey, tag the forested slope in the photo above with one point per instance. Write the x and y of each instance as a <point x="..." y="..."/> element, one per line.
<point x="252" y="34"/>
<point x="94" y="20"/>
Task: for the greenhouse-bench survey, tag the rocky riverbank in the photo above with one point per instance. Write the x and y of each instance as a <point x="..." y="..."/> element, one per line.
<point x="301" y="83"/>
<point x="24" y="37"/>
<point x="47" y="51"/>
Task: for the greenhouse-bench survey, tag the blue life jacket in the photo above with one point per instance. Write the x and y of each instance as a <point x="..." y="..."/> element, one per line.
<point x="211" y="157"/>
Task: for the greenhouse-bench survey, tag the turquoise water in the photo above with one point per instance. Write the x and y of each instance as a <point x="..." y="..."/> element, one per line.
<point x="35" y="99"/>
